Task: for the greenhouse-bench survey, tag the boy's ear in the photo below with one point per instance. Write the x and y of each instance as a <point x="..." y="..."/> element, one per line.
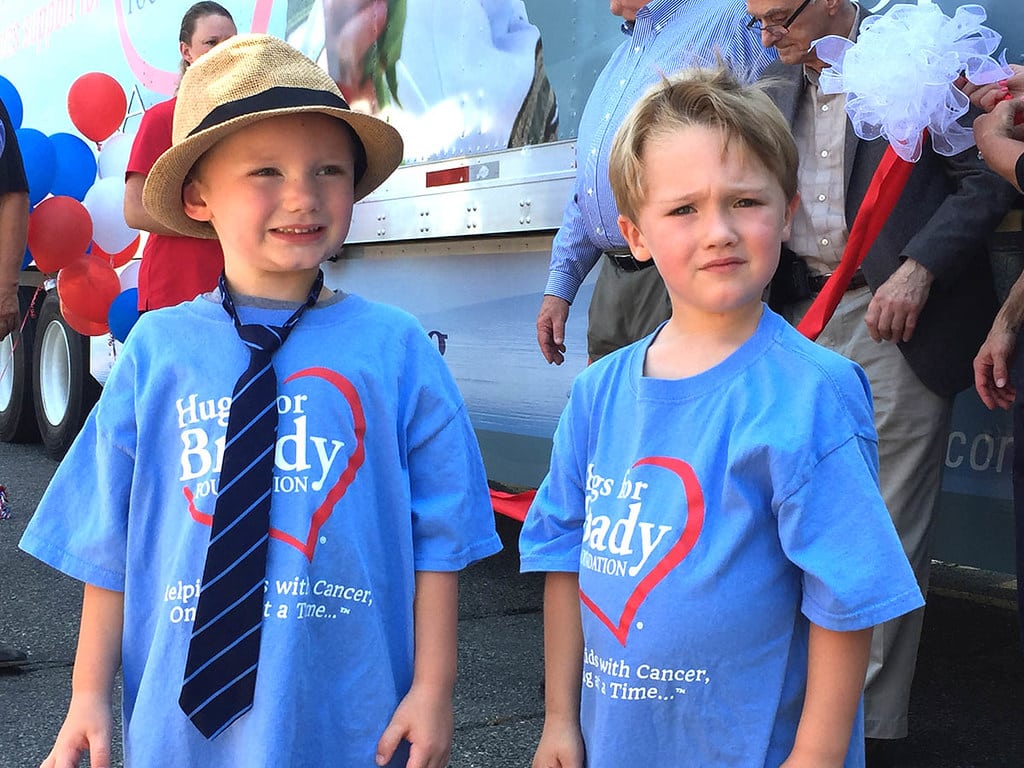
<point x="634" y="239"/>
<point x="193" y="202"/>
<point x="787" y="224"/>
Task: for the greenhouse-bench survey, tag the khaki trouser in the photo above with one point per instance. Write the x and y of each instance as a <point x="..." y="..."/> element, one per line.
<point x="912" y="424"/>
<point x="626" y="306"/>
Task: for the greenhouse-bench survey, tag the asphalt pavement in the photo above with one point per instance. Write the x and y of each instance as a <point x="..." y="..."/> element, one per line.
<point x="967" y="707"/>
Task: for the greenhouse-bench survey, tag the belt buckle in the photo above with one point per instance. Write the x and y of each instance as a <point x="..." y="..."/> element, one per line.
<point x="817" y="282"/>
<point x="1013" y="221"/>
<point x="622" y="258"/>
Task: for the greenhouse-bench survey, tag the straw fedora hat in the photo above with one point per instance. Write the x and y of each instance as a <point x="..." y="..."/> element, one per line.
<point x="242" y="80"/>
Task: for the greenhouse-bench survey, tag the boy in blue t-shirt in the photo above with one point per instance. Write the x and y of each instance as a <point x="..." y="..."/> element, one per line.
<point x="277" y="582"/>
<point x="716" y="546"/>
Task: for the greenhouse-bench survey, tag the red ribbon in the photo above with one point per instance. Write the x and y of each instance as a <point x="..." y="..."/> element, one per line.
<point x="885" y="189"/>
<point x="512" y="505"/>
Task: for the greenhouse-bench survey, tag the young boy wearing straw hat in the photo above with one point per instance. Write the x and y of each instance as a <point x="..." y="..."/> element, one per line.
<point x="271" y="561"/>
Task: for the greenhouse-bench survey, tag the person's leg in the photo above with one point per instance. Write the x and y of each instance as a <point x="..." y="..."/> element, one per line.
<point x="1018" y="485"/>
<point x="626" y="306"/>
<point x="912" y="424"/>
<point x="1006" y="252"/>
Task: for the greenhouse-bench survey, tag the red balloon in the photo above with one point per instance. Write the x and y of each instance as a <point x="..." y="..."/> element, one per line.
<point x="97" y="105"/>
<point x="88" y="287"/>
<point x="120" y="258"/>
<point x="80" y="324"/>
<point x="59" y="231"/>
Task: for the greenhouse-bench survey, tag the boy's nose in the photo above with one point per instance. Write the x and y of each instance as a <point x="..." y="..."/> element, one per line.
<point x="720" y="228"/>
<point x="302" y="194"/>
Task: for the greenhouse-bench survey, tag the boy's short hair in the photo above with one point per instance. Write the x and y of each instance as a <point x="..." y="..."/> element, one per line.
<point x="709" y="98"/>
<point x="239" y="82"/>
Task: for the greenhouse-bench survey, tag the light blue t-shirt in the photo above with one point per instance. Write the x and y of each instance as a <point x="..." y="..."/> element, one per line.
<point x="710" y="519"/>
<point x="377" y="475"/>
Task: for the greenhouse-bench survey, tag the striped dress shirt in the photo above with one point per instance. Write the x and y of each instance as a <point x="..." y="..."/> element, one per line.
<point x="668" y="35"/>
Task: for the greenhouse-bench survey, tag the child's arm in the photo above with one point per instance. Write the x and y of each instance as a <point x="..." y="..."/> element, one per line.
<point x="561" y="743"/>
<point x="89" y="721"/>
<point x="836" y="665"/>
<point x="424" y="716"/>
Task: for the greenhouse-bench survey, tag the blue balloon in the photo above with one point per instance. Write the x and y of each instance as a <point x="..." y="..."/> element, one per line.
<point x="124" y="311"/>
<point x="40" y="160"/>
<point x="12" y="100"/>
<point x="26" y="260"/>
<point x="76" y="166"/>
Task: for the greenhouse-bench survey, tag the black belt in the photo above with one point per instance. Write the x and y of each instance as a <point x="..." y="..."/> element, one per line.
<point x="1012" y="222"/>
<point x="622" y="259"/>
<point x="817" y="282"/>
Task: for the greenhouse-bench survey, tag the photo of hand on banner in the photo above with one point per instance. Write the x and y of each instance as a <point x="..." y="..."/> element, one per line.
<point x="900" y="80"/>
<point x="427" y="68"/>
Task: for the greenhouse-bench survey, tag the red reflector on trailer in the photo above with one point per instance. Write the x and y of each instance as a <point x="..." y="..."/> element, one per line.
<point x="458" y="175"/>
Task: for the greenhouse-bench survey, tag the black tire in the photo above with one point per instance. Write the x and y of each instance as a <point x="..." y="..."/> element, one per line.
<point x="63" y="391"/>
<point x="17" y="411"/>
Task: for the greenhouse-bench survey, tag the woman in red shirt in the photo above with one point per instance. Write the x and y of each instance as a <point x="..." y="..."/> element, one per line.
<point x="174" y="268"/>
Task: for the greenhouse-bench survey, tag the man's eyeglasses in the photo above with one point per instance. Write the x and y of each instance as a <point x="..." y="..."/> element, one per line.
<point x="777" y="30"/>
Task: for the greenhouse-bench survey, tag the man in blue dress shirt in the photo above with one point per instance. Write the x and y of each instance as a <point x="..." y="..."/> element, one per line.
<point x="661" y="37"/>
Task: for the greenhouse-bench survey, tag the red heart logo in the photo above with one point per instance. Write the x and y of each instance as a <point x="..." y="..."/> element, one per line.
<point x="672" y="558"/>
<point x="338" y="490"/>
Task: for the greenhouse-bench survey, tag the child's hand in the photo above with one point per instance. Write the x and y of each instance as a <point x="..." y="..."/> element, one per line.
<point x="797" y="761"/>
<point x="87" y="728"/>
<point x="561" y="745"/>
<point x="424" y="719"/>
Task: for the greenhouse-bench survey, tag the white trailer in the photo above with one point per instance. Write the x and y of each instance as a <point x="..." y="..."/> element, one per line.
<point x="460" y="235"/>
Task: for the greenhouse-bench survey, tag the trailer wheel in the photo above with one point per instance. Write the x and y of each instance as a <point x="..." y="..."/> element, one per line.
<point x="17" y="414"/>
<point x="63" y="391"/>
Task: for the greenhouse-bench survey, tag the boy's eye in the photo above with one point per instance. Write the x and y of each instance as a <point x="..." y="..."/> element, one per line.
<point x="265" y="172"/>
<point x="331" y="170"/>
<point x="683" y="210"/>
<point x="747" y="202"/>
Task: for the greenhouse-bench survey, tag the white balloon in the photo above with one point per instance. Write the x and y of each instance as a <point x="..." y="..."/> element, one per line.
<point x="113" y="159"/>
<point x="105" y="203"/>
<point x="129" y="276"/>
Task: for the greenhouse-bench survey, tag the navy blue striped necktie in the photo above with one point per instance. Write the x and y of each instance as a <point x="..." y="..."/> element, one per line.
<point x="220" y="673"/>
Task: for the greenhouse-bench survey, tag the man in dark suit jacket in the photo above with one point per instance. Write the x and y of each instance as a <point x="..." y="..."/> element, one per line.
<point x="913" y="315"/>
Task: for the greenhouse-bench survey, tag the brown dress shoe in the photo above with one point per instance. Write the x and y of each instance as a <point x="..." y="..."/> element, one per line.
<point x="11" y="657"/>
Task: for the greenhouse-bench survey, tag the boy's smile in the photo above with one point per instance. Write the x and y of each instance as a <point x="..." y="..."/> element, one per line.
<point x="712" y="218"/>
<point x="279" y="194"/>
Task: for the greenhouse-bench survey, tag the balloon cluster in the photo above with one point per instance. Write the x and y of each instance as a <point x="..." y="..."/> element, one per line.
<point x="77" y="228"/>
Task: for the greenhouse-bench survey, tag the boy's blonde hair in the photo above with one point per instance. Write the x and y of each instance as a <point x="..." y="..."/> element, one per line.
<point x="708" y="98"/>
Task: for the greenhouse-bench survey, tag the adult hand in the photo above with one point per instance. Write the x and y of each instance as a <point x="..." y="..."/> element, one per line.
<point x="352" y="28"/>
<point x="8" y="311"/>
<point x="992" y="367"/>
<point x="894" y="309"/>
<point x="551" y="328"/>
<point x="1000" y="141"/>
<point x="987" y="96"/>
<point x="999" y="123"/>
